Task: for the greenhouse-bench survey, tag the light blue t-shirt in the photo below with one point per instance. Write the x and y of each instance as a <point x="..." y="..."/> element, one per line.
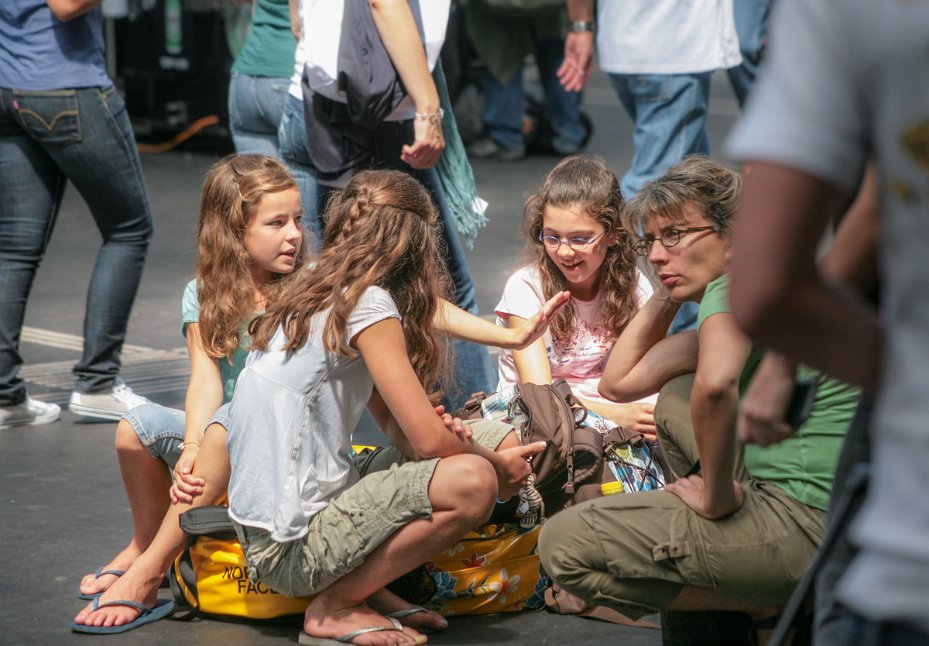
<point x="229" y="369"/>
<point x="39" y="52"/>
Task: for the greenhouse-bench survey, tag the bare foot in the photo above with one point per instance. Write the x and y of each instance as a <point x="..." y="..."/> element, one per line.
<point x="321" y="620"/>
<point x="134" y="585"/>
<point x="387" y="603"/>
<point x="91" y="585"/>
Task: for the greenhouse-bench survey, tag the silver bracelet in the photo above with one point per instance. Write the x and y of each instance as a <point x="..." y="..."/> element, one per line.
<point x="581" y="26"/>
<point x="434" y="117"/>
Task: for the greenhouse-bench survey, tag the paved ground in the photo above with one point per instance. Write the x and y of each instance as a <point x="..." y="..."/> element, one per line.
<point x="62" y="507"/>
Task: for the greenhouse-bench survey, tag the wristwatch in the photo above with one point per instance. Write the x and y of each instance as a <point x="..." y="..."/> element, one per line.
<point x="581" y="25"/>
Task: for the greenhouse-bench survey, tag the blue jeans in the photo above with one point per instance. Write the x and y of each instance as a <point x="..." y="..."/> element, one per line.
<point x="504" y="106"/>
<point x="751" y="26"/>
<point x="46" y="139"/>
<point x="291" y="137"/>
<point x="474" y="370"/>
<point x="255" y="107"/>
<point x="669" y="112"/>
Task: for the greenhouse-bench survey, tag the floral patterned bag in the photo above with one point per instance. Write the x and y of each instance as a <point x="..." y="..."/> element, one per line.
<point x="494" y="568"/>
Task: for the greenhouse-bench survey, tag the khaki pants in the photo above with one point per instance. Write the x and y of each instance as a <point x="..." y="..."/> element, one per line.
<point x="634" y="552"/>
<point x="392" y="492"/>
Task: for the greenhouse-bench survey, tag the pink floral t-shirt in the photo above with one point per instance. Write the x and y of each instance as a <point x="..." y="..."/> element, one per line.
<point x="581" y="360"/>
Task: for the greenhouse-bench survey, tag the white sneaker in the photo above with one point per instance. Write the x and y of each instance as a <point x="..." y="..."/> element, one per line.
<point x="30" y="413"/>
<point x="108" y="404"/>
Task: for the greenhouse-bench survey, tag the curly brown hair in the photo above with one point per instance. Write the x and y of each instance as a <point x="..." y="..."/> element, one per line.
<point x="382" y="229"/>
<point x="585" y="181"/>
<point x="232" y="191"/>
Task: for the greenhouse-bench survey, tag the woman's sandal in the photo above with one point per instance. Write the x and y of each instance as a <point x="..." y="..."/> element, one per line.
<point x="306" y="639"/>
<point x="99" y="572"/>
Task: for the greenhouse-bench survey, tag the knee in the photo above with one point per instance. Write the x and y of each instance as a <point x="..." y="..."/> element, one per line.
<point x="557" y="551"/>
<point x="127" y="440"/>
<point x="473" y="484"/>
<point x="570" y="550"/>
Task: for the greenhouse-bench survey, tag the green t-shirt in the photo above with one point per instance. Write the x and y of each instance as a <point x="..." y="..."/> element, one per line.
<point x="269" y="48"/>
<point x="803" y="465"/>
<point x="228" y="369"/>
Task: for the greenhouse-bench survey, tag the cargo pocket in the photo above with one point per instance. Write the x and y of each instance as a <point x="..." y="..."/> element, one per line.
<point x="50" y="117"/>
<point x="685" y="550"/>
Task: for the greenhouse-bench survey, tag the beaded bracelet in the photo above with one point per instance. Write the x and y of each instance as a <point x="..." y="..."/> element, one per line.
<point x="434" y="117"/>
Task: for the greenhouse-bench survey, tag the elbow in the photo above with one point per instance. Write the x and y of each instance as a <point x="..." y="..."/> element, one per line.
<point x="65" y="10"/>
<point x="433" y="448"/>
<point x="714" y="389"/>
<point x="608" y="390"/>
<point x="617" y="392"/>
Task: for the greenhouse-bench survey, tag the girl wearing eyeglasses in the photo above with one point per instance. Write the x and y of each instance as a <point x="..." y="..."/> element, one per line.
<point x="576" y="243"/>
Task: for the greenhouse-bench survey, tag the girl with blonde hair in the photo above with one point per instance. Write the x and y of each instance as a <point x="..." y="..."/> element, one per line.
<point x="249" y="238"/>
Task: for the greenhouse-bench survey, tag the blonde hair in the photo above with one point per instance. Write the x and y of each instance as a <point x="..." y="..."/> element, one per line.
<point x="382" y="230"/>
<point x="695" y="182"/>
<point x="232" y="191"/>
<point x="585" y="181"/>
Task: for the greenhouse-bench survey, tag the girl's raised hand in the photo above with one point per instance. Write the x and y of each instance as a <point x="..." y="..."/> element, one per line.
<point x="524" y="334"/>
<point x="186" y="486"/>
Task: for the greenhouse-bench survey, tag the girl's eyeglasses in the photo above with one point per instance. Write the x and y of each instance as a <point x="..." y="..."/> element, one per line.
<point x="577" y="244"/>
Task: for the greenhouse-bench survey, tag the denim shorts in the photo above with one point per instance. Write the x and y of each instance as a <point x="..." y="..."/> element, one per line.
<point x="160" y="430"/>
<point x="354" y="523"/>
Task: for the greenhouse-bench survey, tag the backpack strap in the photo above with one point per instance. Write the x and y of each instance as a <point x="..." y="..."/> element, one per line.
<point x="212" y="520"/>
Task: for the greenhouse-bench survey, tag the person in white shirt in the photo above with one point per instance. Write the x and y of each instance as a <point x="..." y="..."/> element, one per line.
<point x="846" y="83"/>
<point x="659" y="55"/>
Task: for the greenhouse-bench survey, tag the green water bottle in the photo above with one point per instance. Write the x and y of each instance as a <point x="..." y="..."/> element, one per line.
<point x="174" y="27"/>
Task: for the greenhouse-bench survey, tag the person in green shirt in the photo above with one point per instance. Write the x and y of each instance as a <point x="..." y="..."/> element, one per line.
<point x="732" y="532"/>
<point x="260" y="79"/>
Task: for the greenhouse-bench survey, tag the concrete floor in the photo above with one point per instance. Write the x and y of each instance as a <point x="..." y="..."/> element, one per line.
<point x="63" y="511"/>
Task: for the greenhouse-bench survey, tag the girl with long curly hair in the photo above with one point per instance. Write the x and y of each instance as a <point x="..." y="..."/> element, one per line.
<point x="363" y="329"/>
<point x="576" y="243"/>
<point x="249" y="238"/>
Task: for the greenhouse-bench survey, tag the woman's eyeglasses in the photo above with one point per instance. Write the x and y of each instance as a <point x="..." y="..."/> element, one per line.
<point x="669" y="238"/>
